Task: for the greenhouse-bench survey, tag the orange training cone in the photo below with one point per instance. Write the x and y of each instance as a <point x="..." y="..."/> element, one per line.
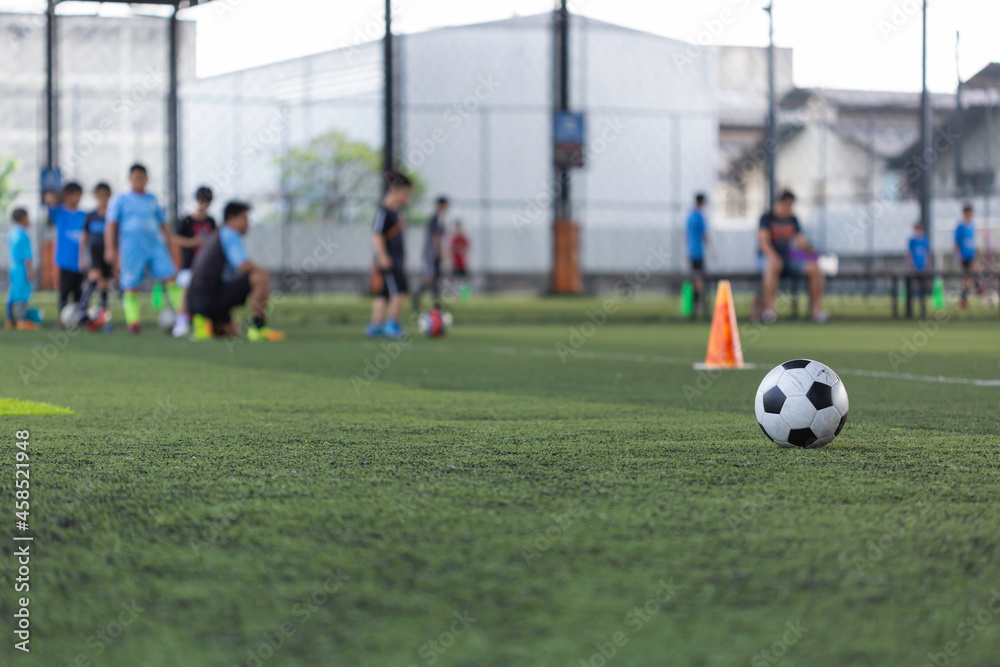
<point x="724" y="349"/>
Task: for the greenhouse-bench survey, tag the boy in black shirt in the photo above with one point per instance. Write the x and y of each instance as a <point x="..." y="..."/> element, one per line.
<point x="100" y="271"/>
<point x="387" y="238"/>
<point x="192" y="231"/>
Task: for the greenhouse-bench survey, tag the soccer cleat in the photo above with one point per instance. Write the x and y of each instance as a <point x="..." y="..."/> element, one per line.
<point x="262" y="334"/>
<point x="182" y="327"/>
<point x="97" y="324"/>
<point x="769" y="316"/>
<point x="25" y="325"/>
<point x="9" y="326"/>
<point x="201" y="327"/>
<point x="821" y="317"/>
<point x="373" y="330"/>
<point x="134" y="329"/>
<point x="392" y="330"/>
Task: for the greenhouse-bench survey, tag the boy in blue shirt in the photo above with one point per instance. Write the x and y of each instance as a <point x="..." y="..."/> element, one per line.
<point x="697" y="239"/>
<point x="131" y="238"/>
<point x="68" y="221"/>
<point x="965" y="249"/>
<point x="920" y="252"/>
<point x="19" y="272"/>
<point x="223" y="277"/>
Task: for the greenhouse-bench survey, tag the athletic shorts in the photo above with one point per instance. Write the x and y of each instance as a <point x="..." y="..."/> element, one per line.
<point x="70" y="284"/>
<point x="792" y="268"/>
<point x="218" y="307"/>
<point x="698" y="265"/>
<point x="967" y="265"/>
<point x="393" y="282"/>
<point x="432" y="269"/>
<point x="19" y="290"/>
<point x="137" y="256"/>
<point x="97" y="261"/>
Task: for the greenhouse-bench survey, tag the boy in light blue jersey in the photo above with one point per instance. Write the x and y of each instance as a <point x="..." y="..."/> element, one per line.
<point x="131" y="237"/>
<point x="19" y="272"/>
<point x="965" y="249"/>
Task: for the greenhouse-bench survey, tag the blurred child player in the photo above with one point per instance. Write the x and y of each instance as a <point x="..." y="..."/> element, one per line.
<point x="192" y="232"/>
<point x="965" y="249"/>
<point x="431" y="275"/>
<point x="131" y="238"/>
<point x="920" y="252"/>
<point x="387" y="239"/>
<point x="459" y="251"/>
<point x="100" y="271"/>
<point x="68" y="221"/>
<point x="697" y="240"/>
<point x="19" y="273"/>
<point x="223" y="277"/>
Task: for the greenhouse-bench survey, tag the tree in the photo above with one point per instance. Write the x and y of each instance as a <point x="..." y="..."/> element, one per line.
<point x="8" y="190"/>
<point x="333" y="178"/>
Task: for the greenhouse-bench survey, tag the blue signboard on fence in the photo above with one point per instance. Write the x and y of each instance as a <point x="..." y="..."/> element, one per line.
<point x="569" y="133"/>
<point x="51" y="179"/>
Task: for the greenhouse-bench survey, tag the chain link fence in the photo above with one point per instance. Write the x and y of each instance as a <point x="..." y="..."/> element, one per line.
<point x="302" y="139"/>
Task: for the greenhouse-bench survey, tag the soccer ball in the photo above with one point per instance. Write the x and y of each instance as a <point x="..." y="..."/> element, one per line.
<point x="801" y="403"/>
<point x="447" y="319"/>
<point x="68" y="315"/>
<point x="434" y="323"/>
<point x="166" y="319"/>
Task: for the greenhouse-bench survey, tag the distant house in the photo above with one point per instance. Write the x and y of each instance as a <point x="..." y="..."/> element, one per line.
<point x="743" y="107"/>
<point x="835" y="148"/>
<point x="966" y="147"/>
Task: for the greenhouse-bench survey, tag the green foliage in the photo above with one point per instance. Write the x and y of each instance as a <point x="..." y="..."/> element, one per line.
<point x="8" y="190"/>
<point x="331" y="179"/>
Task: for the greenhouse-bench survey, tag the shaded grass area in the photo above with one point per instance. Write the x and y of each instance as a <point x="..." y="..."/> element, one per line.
<point x="490" y="499"/>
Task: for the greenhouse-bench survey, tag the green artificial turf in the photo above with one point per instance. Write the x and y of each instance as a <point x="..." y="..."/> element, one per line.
<point x="518" y="493"/>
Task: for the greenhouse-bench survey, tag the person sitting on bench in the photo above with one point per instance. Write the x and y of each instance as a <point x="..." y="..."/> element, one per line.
<point x="784" y="252"/>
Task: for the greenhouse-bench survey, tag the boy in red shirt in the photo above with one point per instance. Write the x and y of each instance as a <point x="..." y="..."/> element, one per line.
<point x="459" y="249"/>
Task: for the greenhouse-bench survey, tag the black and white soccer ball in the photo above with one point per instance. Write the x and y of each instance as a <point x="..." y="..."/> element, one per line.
<point x="801" y="403"/>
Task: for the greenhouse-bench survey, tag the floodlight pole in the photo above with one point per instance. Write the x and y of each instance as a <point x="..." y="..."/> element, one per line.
<point x="772" y="115"/>
<point x="173" y="148"/>
<point x="388" y="155"/>
<point x="959" y="120"/>
<point x="562" y="103"/>
<point x="926" y="179"/>
<point x="51" y="118"/>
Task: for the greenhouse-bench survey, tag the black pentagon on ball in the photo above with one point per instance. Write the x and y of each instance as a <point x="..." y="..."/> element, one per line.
<point x="801" y="437"/>
<point x="795" y="363"/>
<point x="820" y="394"/>
<point x="840" y="426"/>
<point x="774" y="398"/>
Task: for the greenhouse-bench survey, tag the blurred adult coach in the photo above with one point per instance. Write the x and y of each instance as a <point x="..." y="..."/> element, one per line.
<point x="785" y="252"/>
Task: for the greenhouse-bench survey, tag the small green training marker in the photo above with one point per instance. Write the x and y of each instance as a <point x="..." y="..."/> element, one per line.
<point x="687" y="299"/>
<point x="938" y="293"/>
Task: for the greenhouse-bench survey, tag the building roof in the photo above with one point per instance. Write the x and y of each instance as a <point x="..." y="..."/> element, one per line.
<point x="181" y="4"/>
<point x="987" y="77"/>
<point x="865" y="100"/>
<point x="884" y="140"/>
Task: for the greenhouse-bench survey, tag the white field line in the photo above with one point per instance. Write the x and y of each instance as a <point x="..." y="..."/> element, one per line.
<point x="677" y="361"/>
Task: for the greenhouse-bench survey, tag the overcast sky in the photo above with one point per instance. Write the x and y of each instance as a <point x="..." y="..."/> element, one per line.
<point x="865" y="44"/>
